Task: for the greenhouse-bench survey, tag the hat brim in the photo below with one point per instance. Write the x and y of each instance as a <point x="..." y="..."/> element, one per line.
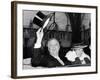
<point x="79" y="46"/>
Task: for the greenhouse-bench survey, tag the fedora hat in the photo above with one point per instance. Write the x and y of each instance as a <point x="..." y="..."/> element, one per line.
<point x="41" y="19"/>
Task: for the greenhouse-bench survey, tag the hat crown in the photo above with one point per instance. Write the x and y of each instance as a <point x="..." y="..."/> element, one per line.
<point x="39" y="19"/>
<point x="41" y="15"/>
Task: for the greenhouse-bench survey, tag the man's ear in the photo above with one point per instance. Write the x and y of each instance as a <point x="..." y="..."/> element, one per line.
<point x="43" y="43"/>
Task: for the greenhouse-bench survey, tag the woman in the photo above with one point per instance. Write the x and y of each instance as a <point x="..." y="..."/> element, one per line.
<point x="78" y="57"/>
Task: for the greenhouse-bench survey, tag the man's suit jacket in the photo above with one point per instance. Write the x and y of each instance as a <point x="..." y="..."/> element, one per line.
<point x="41" y="57"/>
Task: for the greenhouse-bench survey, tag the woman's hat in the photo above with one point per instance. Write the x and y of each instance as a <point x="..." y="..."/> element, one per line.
<point x="79" y="45"/>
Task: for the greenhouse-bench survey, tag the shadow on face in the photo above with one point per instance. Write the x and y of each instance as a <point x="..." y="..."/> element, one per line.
<point x="53" y="46"/>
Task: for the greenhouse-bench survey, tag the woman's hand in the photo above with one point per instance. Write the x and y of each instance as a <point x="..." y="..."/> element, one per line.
<point x="39" y="35"/>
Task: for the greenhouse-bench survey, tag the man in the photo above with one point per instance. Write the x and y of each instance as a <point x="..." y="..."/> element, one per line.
<point x="50" y="58"/>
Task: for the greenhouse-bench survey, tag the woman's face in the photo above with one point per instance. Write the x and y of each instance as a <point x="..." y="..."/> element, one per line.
<point x="53" y="47"/>
<point x="78" y="52"/>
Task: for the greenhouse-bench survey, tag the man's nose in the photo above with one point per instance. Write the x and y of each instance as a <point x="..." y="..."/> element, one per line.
<point x="53" y="47"/>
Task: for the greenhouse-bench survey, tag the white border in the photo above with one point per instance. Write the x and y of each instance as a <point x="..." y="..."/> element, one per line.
<point x="30" y="72"/>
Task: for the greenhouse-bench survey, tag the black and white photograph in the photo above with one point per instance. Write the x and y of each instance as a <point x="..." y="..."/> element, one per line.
<point x="53" y="39"/>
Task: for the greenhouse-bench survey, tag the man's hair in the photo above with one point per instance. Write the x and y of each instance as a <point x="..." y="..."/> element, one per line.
<point x="51" y="40"/>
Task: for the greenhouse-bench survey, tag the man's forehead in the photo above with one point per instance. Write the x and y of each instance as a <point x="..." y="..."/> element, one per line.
<point x="53" y="41"/>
